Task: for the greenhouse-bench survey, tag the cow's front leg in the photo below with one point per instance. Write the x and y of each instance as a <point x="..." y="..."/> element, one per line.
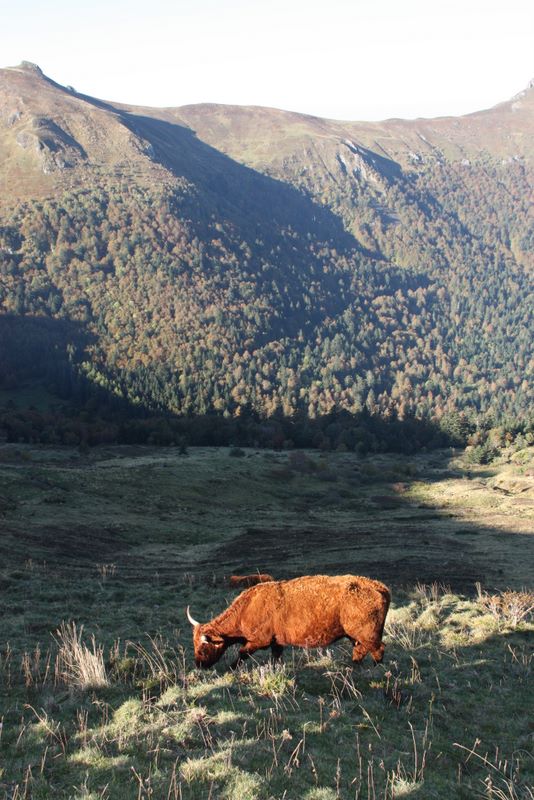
<point x="244" y="652"/>
<point x="276" y="651"/>
<point x="239" y="660"/>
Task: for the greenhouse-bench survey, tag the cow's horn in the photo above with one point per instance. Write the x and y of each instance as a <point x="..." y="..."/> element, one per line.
<point x="191" y="619"/>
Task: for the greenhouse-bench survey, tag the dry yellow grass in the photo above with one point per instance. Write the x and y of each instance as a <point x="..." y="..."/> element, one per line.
<point x="78" y="664"/>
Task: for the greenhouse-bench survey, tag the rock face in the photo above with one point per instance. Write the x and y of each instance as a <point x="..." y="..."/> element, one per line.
<point x="47" y="132"/>
<point x="28" y="66"/>
<point x="55" y="148"/>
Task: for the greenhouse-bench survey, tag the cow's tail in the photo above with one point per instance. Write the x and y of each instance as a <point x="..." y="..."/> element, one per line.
<point x="386" y="594"/>
<point x="386" y="600"/>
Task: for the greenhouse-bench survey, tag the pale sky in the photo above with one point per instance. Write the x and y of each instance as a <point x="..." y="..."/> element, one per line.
<point x="344" y="59"/>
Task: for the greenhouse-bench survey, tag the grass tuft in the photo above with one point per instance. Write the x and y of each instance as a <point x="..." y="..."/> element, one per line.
<point x="159" y="663"/>
<point x="408" y="634"/>
<point x="79" y="665"/>
<point x="269" y="680"/>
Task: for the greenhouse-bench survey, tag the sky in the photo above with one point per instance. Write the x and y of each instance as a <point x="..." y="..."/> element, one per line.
<point x="343" y="59"/>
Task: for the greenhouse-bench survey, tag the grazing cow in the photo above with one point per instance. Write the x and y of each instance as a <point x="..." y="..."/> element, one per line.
<point x="243" y="581"/>
<point x="312" y="611"/>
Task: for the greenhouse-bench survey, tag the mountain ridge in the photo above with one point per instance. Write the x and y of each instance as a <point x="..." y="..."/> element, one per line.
<point x="222" y="258"/>
<point x="247" y="132"/>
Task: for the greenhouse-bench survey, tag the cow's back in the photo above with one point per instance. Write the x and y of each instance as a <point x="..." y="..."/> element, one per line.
<point x="310" y="611"/>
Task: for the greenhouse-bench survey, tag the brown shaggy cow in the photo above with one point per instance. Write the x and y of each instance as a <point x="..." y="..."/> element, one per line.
<point x="243" y="581"/>
<point x="312" y="611"/>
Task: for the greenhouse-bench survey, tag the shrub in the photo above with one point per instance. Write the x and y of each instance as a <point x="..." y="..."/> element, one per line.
<point x="508" y="608"/>
<point x="482" y="453"/>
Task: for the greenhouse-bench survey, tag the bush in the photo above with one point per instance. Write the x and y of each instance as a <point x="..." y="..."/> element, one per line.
<point x="508" y="608"/>
<point x="482" y="453"/>
<point x="237" y="452"/>
<point x="300" y="462"/>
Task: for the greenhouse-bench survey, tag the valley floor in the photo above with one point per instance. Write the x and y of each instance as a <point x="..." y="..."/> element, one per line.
<point x="115" y="543"/>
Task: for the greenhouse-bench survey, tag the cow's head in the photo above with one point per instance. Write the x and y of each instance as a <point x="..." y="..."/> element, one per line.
<point x="208" y="644"/>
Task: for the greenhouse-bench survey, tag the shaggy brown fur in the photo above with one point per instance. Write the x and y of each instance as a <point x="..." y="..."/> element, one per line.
<point x="312" y="611"/>
<point x="242" y="581"/>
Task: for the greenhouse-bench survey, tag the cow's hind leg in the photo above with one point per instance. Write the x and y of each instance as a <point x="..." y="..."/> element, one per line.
<point x="377" y="654"/>
<point x="360" y="650"/>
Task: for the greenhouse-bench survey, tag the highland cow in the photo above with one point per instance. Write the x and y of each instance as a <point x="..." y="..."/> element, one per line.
<point x="312" y="611"/>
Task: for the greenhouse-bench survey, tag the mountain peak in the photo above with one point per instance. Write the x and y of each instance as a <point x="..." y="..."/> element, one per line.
<point x="524" y="92"/>
<point x="29" y="66"/>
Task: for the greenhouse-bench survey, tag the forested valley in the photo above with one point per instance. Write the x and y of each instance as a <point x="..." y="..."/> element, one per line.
<point x="358" y="304"/>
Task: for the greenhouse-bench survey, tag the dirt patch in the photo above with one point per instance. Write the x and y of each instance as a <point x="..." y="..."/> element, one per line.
<point x="374" y="550"/>
<point x="387" y="500"/>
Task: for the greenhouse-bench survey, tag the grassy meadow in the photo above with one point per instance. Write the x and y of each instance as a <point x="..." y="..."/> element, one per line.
<point x="101" y="552"/>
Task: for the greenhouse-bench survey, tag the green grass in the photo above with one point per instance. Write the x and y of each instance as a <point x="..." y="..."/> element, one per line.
<point x="119" y="542"/>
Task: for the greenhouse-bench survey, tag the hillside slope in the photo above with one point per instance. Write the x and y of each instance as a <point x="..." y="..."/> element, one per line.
<point x="473" y="166"/>
<point x="216" y="258"/>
